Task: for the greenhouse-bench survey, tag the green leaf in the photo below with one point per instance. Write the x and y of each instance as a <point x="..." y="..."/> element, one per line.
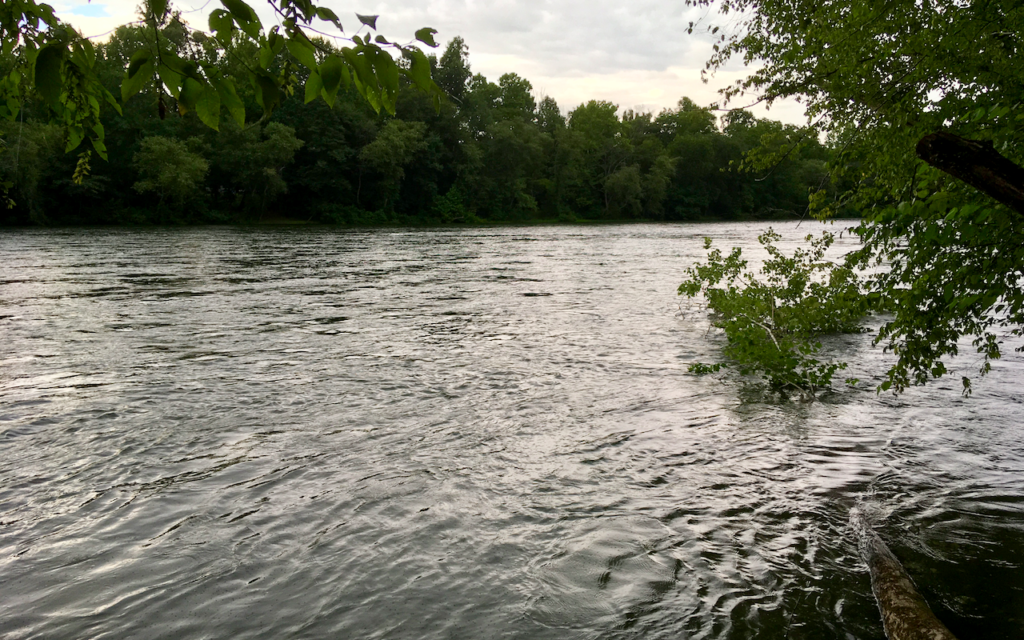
<point x="361" y="65"/>
<point x="189" y="96"/>
<point x="387" y="73"/>
<point x="330" y="75"/>
<point x="170" y="78"/>
<point x="181" y="66"/>
<point x="47" y="74"/>
<point x="229" y="98"/>
<point x="370" y="21"/>
<point x="240" y="10"/>
<point x="222" y="24"/>
<point x="303" y="51"/>
<point x="266" y="57"/>
<point x="268" y="94"/>
<point x="251" y="29"/>
<point x="208" y="107"/>
<point x="276" y="41"/>
<point x="371" y="95"/>
<point x="139" y="58"/>
<point x="313" y="87"/>
<point x="101" y="149"/>
<point x="133" y="83"/>
<point x="90" y="52"/>
<point x="245" y="16"/>
<point x="75" y="136"/>
<point x="111" y="100"/>
<point x="426" y="36"/>
<point x="419" y="69"/>
<point x="326" y="14"/>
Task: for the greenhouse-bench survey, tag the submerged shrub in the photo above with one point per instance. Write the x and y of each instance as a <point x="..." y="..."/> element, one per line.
<point x="774" y="319"/>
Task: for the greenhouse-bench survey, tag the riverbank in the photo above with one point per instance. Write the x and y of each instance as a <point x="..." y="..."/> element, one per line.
<point x="273" y="220"/>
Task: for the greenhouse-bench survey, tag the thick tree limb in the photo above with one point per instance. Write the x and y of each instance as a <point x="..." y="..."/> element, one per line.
<point x="976" y="163"/>
<point x="905" y="614"/>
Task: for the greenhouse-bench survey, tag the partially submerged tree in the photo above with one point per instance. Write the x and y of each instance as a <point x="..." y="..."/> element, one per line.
<point x="924" y="103"/>
<point x="774" y="319"/>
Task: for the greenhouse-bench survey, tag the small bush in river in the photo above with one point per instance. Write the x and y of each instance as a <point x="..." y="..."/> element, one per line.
<point x="774" y="320"/>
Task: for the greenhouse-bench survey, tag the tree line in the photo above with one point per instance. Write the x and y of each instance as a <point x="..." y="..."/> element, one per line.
<point x="485" y="152"/>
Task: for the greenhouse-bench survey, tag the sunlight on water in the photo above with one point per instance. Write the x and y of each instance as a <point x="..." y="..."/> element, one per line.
<point x="479" y="433"/>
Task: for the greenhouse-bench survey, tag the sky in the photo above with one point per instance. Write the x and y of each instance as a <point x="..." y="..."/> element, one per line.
<point x="636" y="55"/>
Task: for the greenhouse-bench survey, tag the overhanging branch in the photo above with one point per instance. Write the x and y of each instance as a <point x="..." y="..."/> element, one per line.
<point x="976" y="163"/>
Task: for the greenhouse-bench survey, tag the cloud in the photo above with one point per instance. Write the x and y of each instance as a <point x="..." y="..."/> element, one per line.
<point x="635" y="54"/>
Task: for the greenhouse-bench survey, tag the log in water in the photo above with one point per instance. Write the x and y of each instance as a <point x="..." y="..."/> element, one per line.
<point x="905" y="614"/>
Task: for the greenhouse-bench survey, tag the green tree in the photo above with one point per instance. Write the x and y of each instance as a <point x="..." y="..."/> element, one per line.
<point x="515" y="99"/>
<point x="482" y="100"/>
<point x="655" y="185"/>
<point x="323" y="176"/>
<point x="395" y="147"/>
<point x="167" y="168"/>
<point x="602" y="150"/>
<point x="701" y="187"/>
<point x="923" y="103"/>
<point x="686" y="119"/>
<point x="624" y="193"/>
<point x="549" y="116"/>
<point x="453" y="71"/>
<point x="27" y="152"/>
<point x="249" y="165"/>
<point x="503" y="175"/>
<point x="559" y="156"/>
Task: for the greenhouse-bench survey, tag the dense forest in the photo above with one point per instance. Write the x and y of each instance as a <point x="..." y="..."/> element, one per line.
<point x="490" y="152"/>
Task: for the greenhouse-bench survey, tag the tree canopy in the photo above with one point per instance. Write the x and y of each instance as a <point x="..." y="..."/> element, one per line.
<point x="922" y="102"/>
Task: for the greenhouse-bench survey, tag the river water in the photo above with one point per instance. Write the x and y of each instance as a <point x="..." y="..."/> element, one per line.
<point x="481" y="433"/>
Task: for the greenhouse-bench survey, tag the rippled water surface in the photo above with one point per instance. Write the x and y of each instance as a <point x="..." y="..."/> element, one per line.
<point x="484" y="433"/>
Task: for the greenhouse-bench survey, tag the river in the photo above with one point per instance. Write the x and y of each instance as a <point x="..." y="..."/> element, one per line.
<point x="476" y="433"/>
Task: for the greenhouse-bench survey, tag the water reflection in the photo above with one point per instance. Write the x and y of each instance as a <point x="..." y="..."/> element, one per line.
<point x="456" y="434"/>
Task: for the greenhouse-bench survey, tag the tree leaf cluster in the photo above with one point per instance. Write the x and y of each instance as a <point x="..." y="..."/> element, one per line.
<point x="59" y="66"/>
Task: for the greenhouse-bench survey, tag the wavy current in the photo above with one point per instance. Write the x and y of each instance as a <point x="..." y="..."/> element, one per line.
<point x="484" y="433"/>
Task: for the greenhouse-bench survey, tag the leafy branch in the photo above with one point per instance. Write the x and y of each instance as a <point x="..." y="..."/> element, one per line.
<point x="59" y="65"/>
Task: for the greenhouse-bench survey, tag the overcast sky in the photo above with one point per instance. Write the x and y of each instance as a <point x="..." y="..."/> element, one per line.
<point x="636" y="55"/>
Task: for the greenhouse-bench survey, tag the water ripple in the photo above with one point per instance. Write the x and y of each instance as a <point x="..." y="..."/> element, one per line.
<point x="240" y="433"/>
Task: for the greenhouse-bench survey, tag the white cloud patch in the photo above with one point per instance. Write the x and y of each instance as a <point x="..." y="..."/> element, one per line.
<point x="635" y="55"/>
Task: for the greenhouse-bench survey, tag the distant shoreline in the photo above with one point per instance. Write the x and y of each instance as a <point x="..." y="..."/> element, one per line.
<point x="293" y="222"/>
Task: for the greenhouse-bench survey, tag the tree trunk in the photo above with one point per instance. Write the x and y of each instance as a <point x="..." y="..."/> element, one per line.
<point x="976" y="163"/>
